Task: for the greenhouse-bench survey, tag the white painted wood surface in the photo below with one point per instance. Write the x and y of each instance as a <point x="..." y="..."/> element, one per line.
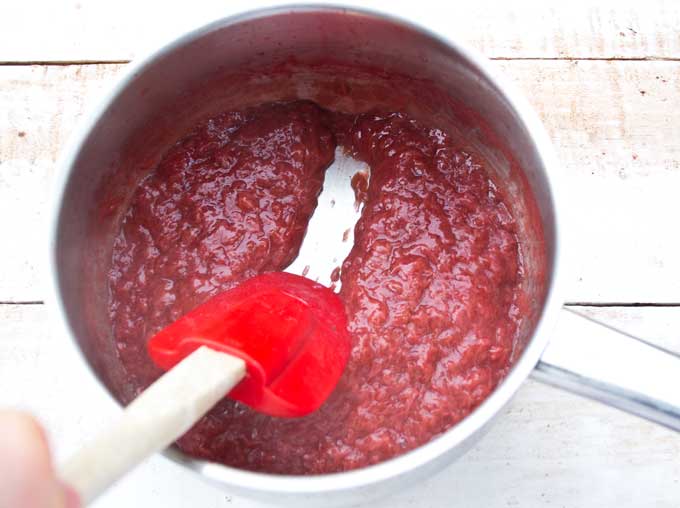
<point x="39" y="105"/>
<point x="549" y="449"/>
<point x="70" y="30"/>
<point x="606" y="80"/>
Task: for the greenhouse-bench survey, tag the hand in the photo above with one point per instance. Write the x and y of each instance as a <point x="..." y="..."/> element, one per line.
<point x="27" y="476"/>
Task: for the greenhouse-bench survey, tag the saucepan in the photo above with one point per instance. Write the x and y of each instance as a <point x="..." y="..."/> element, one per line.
<point x="405" y="67"/>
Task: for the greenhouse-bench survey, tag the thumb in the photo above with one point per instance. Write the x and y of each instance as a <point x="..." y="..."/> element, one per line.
<point x="27" y="476"/>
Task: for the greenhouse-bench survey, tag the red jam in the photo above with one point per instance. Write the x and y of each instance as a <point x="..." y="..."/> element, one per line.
<point x="431" y="286"/>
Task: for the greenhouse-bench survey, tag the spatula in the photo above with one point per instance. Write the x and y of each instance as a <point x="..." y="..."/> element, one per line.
<point x="303" y="323"/>
<point x="278" y="343"/>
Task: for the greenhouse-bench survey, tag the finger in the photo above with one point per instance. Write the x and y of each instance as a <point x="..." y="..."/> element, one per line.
<point x="27" y="477"/>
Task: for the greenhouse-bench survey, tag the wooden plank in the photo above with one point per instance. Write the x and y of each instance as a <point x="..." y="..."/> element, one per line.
<point x="618" y="147"/>
<point x="40" y="106"/>
<point x="614" y="127"/>
<point x="88" y="30"/>
<point x="550" y="448"/>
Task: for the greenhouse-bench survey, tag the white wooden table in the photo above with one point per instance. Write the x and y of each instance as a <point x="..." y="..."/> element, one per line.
<point x="605" y="79"/>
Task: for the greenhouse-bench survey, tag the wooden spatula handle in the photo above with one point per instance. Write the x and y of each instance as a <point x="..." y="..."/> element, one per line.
<point x="160" y="415"/>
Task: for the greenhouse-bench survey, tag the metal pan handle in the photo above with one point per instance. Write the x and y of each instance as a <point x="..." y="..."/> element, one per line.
<point x="599" y="362"/>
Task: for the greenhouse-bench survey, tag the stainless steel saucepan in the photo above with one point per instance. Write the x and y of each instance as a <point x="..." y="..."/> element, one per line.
<point x="431" y="76"/>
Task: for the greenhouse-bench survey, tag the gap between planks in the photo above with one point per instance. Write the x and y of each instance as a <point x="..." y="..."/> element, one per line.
<point x="566" y="304"/>
<point x="621" y="304"/>
<point x="64" y="63"/>
<point x="60" y="63"/>
<point x="28" y="302"/>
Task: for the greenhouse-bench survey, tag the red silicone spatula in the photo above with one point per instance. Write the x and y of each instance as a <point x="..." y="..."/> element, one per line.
<point x="278" y="343"/>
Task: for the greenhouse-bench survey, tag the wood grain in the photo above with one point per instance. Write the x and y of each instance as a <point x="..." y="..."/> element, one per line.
<point x="549" y="448"/>
<point x="40" y="106"/>
<point x="89" y="30"/>
<point x="613" y="124"/>
<point x="614" y="127"/>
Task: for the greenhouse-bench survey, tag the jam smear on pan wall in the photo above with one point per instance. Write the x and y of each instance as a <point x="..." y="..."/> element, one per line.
<point x="431" y="286"/>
